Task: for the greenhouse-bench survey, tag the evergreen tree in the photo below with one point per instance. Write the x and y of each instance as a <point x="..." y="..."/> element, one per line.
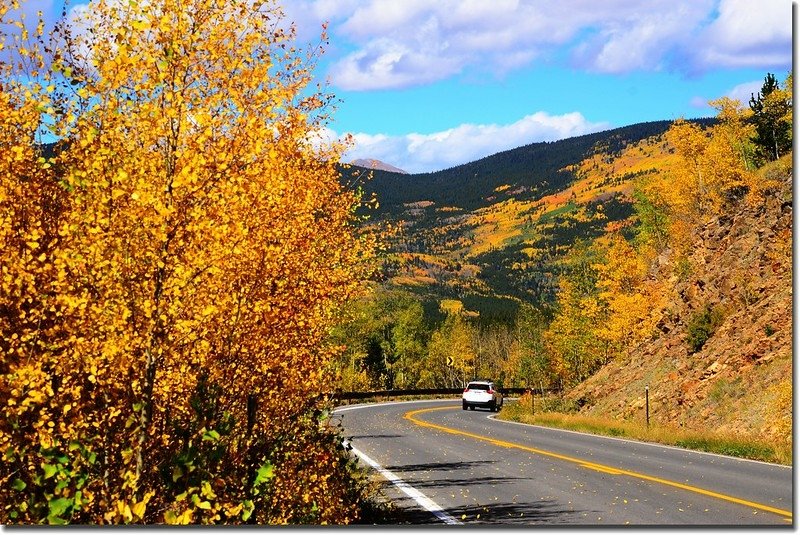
<point x="770" y="108"/>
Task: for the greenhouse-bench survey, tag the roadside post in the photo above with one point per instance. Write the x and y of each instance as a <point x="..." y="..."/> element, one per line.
<point x="647" y="404"/>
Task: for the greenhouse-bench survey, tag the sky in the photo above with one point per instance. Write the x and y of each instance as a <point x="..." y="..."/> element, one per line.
<point x="430" y="84"/>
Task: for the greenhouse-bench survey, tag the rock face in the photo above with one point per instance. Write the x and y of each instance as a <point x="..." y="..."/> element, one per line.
<point x="741" y="267"/>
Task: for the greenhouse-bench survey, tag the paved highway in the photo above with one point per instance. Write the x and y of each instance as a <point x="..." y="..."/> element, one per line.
<point x="445" y="465"/>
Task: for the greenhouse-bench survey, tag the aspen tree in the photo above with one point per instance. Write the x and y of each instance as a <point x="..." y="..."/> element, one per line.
<point x="170" y="275"/>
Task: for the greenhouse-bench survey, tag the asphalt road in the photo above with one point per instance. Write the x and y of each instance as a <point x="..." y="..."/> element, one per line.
<point x="444" y="465"/>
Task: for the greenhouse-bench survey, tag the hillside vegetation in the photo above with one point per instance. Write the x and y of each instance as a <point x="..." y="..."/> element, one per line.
<point x="722" y="356"/>
<point x="660" y="261"/>
<point x="494" y="229"/>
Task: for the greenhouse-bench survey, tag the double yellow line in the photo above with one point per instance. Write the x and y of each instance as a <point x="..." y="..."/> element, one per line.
<point x="412" y="416"/>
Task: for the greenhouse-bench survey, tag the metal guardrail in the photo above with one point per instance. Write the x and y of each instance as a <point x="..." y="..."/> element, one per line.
<point x="389" y="394"/>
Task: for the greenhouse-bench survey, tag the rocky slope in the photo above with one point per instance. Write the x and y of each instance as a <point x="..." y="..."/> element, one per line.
<point x="739" y="382"/>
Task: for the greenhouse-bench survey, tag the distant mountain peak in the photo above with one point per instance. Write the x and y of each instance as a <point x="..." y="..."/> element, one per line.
<point x="371" y="163"/>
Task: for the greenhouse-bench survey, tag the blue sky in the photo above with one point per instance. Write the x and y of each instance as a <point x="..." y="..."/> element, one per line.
<point x="429" y="84"/>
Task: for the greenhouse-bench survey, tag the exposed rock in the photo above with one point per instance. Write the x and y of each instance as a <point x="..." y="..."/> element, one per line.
<point x="742" y="264"/>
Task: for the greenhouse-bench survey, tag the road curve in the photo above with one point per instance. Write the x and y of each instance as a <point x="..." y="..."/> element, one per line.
<point x="442" y="464"/>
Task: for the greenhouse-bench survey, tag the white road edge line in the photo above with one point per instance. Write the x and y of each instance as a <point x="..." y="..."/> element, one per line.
<point x="410" y="491"/>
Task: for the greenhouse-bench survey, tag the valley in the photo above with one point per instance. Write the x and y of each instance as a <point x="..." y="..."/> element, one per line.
<point x="597" y="266"/>
<point x="496" y="238"/>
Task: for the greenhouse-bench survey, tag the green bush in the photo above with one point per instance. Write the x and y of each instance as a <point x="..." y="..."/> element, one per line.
<point x="702" y="325"/>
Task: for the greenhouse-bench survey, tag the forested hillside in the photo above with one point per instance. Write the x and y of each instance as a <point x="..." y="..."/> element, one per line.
<point x="659" y="253"/>
<point x="722" y="357"/>
<point x="533" y="171"/>
<point x="490" y="233"/>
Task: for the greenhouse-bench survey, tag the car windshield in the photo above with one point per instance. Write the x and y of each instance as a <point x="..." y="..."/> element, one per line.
<point x="477" y="386"/>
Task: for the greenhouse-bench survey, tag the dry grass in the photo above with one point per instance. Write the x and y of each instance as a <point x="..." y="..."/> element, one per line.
<point x="735" y="446"/>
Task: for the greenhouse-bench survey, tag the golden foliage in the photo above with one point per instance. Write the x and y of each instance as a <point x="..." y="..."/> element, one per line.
<point x="632" y="303"/>
<point x="716" y="171"/>
<point x="606" y="305"/>
<point x="451" y="306"/>
<point x="186" y="234"/>
<point x="783" y="410"/>
<point x="575" y="350"/>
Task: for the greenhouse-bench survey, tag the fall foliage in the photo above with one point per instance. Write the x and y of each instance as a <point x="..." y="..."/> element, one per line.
<point x="772" y="118"/>
<point x="611" y="294"/>
<point x="170" y="272"/>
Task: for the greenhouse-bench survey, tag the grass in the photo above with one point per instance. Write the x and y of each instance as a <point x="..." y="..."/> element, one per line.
<point x="734" y="446"/>
<point x="551" y="214"/>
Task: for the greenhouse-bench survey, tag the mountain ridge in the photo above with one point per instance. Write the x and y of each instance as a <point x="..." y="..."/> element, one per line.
<point x="372" y="163"/>
<point x="492" y="231"/>
<point x="540" y="164"/>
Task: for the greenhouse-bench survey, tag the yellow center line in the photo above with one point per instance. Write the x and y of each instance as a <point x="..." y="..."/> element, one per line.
<point x="411" y="416"/>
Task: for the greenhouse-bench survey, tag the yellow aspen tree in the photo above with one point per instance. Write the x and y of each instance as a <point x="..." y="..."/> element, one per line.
<point x="198" y="245"/>
<point x="715" y="171"/>
<point x="451" y="354"/>
<point x="730" y="153"/>
<point x="690" y="141"/>
<point x="786" y="93"/>
<point x="575" y="349"/>
<point x="461" y="347"/>
<point x="631" y="302"/>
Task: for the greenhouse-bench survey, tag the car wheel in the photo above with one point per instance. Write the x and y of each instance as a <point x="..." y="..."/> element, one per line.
<point x="493" y="407"/>
<point x="464" y="405"/>
<point x="472" y="407"/>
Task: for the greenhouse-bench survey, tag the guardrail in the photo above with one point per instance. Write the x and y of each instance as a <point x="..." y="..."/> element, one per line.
<point x="348" y="397"/>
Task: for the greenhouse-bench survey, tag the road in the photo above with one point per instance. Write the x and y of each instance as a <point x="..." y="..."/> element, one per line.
<point x="445" y="465"/>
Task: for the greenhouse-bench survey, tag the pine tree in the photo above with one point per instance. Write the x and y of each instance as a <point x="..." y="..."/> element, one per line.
<point x="770" y="108"/>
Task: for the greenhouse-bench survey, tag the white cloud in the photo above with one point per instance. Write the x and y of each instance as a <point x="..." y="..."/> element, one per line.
<point x="390" y="43"/>
<point x="747" y="35"/>
<point x="699" y="102"/>
<point x="417" y="153"/>
<point x="743" y="92"/>
<point x="389" y="64"/>
<point x="641" y="40"/>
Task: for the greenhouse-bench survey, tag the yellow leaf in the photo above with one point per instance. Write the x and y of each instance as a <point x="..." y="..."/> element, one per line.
<point x="233" y="510"/>
<point x="185" y="518"/>
<point x="140" y="507"/>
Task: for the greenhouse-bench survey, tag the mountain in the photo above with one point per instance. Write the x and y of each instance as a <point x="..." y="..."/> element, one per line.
<point x="377" y="164"/>
<point x="479" y="241"/>
<point x="491" y="232"/>
<point x="541" y="168"/>
<point x="740" y="381"/>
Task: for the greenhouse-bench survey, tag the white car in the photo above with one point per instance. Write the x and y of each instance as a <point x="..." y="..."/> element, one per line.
<point x="481" y="394"/>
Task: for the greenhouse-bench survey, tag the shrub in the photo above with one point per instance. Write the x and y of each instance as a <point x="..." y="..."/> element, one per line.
<point x="702" y="325"/>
